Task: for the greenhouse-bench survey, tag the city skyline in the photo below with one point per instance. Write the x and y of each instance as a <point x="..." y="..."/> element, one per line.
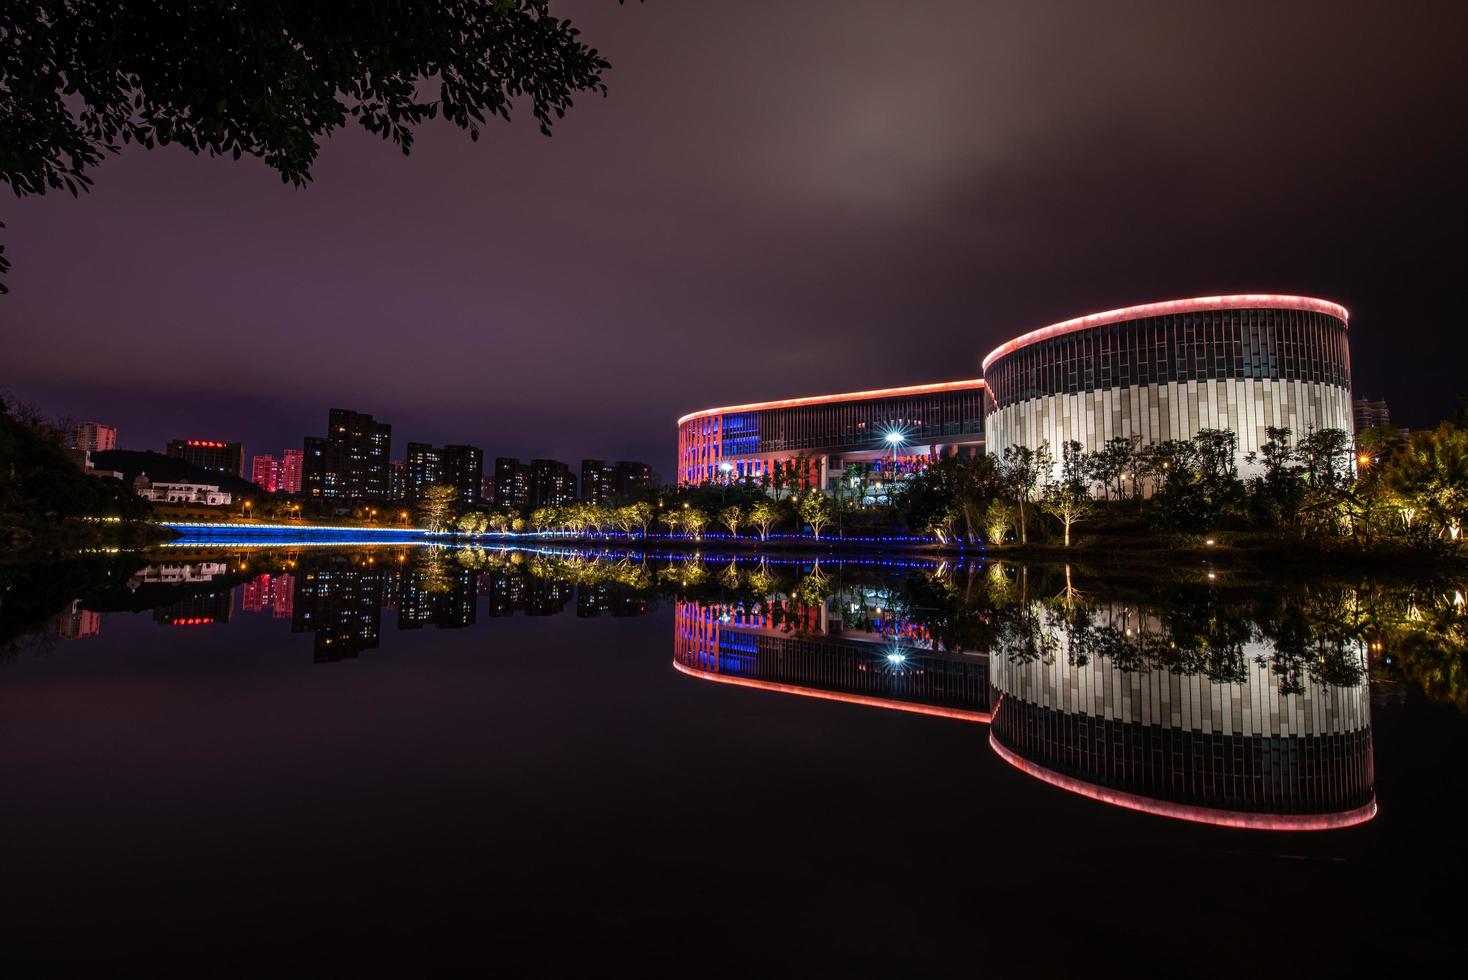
<point x="1000" y="170"/>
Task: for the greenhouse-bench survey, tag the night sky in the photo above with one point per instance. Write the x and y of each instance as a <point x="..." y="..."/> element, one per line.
<point x="776" y="199"/>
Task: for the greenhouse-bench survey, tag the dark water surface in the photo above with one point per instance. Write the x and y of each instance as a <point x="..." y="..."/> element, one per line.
<point x="280" y="761"/>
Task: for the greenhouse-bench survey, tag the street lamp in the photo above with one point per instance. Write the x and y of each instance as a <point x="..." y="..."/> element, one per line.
<point x="894" y="439"/>
<point x="725" y="468"/>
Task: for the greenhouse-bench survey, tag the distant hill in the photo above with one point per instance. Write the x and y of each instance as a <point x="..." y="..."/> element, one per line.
<point x="41" y="487"/>
<point x="169" y="469"/>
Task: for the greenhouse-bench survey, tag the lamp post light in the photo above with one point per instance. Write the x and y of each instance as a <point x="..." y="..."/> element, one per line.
<point x="894" y="439"/>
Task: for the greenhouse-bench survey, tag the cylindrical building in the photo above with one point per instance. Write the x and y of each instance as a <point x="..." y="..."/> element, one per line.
<point x="1166" y="370"/>
<point x="1209" y="734"/>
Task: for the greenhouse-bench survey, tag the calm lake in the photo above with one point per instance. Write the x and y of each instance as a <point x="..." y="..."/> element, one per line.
<point x="261" y="759"/>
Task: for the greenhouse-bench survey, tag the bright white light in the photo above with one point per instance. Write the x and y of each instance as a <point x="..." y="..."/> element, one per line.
<point x="726" y="467"/>
<point x="894" y="437"/>
<point x="897" y="658"/>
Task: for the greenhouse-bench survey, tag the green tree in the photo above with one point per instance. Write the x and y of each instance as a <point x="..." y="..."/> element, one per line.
<point x="545" y="518"/>
<point x="473" y="522"/>
<point x="998" y="520"/>
<point x="435" y="507"/>
<point x="694" y="521"/>
<point x="79" y="78"/>
<point x="951" y="490"/>
<point x="732" y="517"/>
<point x="1022" y="471"/>
<point x="624" y="518"/>
<point x="816" y="510"/>
<point x="764" y="515"/>
<point x="642" y="513"/>
<point x="1112" y="463"/>
<point x="1068" y="497"/>
<point x="1431" y="476"/>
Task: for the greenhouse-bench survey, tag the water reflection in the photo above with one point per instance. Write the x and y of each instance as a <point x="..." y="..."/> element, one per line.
<point x="789" y="646"/>
<point x="1191" y="696"/>
<point x="1234" y="746"/>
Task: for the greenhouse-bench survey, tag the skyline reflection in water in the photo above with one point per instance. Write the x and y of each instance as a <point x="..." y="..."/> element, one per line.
<point x="341" y="745"/>
<point x="1214" y="704"/>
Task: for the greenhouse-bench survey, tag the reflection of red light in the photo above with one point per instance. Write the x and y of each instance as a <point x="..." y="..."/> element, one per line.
<point x="1169" y="308"/>
<point x="1184" y="811"/>
<point x="982" y="717"/>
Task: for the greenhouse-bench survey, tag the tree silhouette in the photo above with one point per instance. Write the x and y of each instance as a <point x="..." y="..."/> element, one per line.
<point x="79" y="78"/>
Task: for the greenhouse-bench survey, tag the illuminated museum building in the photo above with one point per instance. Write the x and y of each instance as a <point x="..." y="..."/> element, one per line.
<point x="826" y="433"/>
<point x="1154" y="372"/>
<point x="1242" y="749"/>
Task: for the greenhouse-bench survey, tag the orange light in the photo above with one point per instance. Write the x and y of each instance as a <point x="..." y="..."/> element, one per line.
<point x="848" y="397"/>
<point x="1363" y="460"/>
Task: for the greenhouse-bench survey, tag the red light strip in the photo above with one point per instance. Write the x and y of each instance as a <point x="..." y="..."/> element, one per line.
<point x="1169" y="308"/>
<point x="1184" y="811"/>
<point x="981" y="717"/>
<point x="848" y="397"/>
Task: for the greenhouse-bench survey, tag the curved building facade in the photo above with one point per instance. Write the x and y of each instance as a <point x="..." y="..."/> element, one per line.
<point x="825" y="433"/>
<point x="1233" y="750"/>
<point x="1166" y="370"/>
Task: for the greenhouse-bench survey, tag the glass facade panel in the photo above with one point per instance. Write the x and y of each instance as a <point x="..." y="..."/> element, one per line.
<point x="1277" y="344"/>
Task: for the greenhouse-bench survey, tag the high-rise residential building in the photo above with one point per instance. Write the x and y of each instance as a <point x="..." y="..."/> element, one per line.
<point x="351" y="461"/>
<point x="290" y="471"/>
<point x="265" y="473"/>
<point x="552" y="484"/>
<point x="210" y="454"/>
<point x="602" y="482"/>
<point x="596" y="481"/>
<point x="486" y="488"/>
<point x="94" y="437"/>
<point x="1371" y="414"/>
<point x="397" y="479"/>
<point x="628" y="477"/>
<point x="511" y="484"/>
<point x="277" y="475"/>
<point x="460" y="467"/>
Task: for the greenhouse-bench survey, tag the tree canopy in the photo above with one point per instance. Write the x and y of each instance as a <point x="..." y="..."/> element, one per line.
<point x="80" y="78"/>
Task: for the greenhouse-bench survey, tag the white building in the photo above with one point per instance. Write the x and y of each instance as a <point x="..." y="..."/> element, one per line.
<point x="207" y="494"/>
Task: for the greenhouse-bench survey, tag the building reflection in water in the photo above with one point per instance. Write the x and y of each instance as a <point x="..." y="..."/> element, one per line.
<point x="76" y="623"/>
<point x="199" y="609"/>
<point x="799" y="648"/>
<point x="1242" y="748"/>
<point x="342" y="606"/>
<point x="442" y="596"/>
<point x="274" y="594"/>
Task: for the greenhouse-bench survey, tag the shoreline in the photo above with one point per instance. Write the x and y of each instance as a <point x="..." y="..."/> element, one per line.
<point x="1228" y="551"/>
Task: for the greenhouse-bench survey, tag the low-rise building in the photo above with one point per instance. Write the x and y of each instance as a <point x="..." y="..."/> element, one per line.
<point x="207" y="494"/>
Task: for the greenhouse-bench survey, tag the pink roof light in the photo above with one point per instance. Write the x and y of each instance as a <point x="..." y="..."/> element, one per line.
<point x="1172" y="307"/>
<point x="848" y="397"/>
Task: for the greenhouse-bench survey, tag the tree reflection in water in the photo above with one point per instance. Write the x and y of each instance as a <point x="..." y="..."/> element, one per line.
<point x="1202" y="695"/>
<point x="1414" y="631"/>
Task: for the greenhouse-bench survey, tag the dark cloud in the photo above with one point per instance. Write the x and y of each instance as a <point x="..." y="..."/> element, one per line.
<point x="775" y="199"/>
